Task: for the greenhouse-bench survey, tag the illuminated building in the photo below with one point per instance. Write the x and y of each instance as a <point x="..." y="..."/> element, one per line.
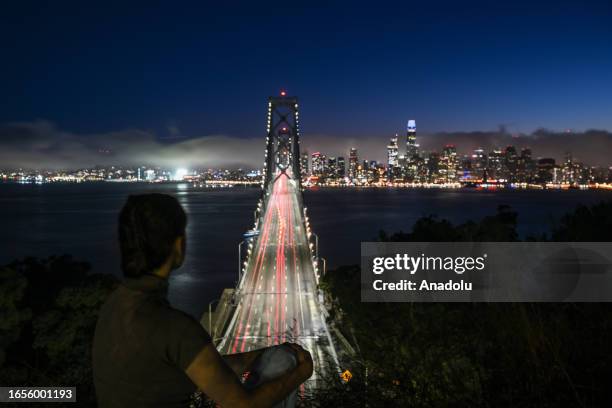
<point x="432" y="164"/>
<point x="353" y="163"/>
<point x="392" y="152"/>
<point x="510" y="164"/>
<point x="572" y="172"/>
<point x="150" y="175"/>
<point x="318" y="164"/>
<point x="341" y="167"/>
<point x="525" y="172"/>
<point x="412" y="152"/>
<point x="466" y="171"/>
<point x="421" y="169"/>
<point x="411" y="146"/>
<point x="479" y="163"/>
<point x="447" y="167"/>
<point x="392" y="159"/>
<point x="495" y="165"/>
<point x="332" y="167"/>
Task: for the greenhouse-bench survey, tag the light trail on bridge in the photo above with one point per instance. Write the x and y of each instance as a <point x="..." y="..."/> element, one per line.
<point x="278" y="292"/>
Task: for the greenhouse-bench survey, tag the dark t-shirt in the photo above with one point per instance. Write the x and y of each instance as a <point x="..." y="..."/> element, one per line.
<point x="142" y="347"/>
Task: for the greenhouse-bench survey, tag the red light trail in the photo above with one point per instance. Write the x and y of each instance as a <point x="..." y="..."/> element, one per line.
<point x="278" y="294"/>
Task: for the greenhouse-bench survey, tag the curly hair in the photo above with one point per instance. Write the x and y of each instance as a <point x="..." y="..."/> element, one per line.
<point x="149" y="224"/>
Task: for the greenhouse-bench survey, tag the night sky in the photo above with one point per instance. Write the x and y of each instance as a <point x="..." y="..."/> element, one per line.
<point x="180" y="70"/>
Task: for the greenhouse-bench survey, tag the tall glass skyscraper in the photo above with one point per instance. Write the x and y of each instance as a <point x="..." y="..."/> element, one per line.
<point x="353" y="163"/>
<point x="392" y="158"/>
<point x="392" y="151"/>
<point x="412" y="151"/>
<point x="341" y="167"/>
<point x="411" y="146"/>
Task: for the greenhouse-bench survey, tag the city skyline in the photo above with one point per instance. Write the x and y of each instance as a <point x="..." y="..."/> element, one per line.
<point x="509" y="166"/>
<point x="41" y="145"/>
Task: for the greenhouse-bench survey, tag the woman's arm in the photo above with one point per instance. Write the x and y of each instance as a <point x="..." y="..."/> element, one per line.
<point x="211" y="374"/>
<point x="240" y="362"/>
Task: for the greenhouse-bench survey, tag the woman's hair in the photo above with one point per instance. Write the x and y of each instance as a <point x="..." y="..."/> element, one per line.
<point x="149" y="224"/>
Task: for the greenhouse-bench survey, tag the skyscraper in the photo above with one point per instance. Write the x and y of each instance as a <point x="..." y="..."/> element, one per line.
<point x="332" y="167"/>
<point x="392" y="151"/>
<point x="412" y="152"/>
<point x="341" y="167"/>
<point x="353" y="163"/>
<point x="411" y="146"/>
<point x="318" y="164"/>
<point x="495" y="165"/>
<point x="448" y="164"/>
<point x="479" y="163"/>
<point x="393" y="168"/>
<point x="571" y="171"/>
<point x="510" y="161"/>
<point x="525" y="167"/>
<point x="432" y="164"/>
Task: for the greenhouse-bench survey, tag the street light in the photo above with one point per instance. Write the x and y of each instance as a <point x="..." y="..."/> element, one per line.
<point x="239" y="262"/>
<point x="324" y="265"/>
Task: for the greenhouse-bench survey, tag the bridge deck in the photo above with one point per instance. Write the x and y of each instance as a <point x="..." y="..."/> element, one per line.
<point x="278" y="294"/>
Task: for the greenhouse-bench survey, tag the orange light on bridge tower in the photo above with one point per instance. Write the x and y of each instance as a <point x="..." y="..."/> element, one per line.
<point x="283" y="92"/>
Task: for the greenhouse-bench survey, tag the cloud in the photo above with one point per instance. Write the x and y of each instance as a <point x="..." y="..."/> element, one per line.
<point x="41" y="144"/>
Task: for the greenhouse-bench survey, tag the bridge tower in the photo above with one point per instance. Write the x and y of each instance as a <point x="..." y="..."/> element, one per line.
<point x="283" y="140"/>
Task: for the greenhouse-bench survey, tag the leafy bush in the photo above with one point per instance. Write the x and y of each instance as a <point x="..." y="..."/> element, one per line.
<point x="446" y="354"/>
<point x="46" y="335"/>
